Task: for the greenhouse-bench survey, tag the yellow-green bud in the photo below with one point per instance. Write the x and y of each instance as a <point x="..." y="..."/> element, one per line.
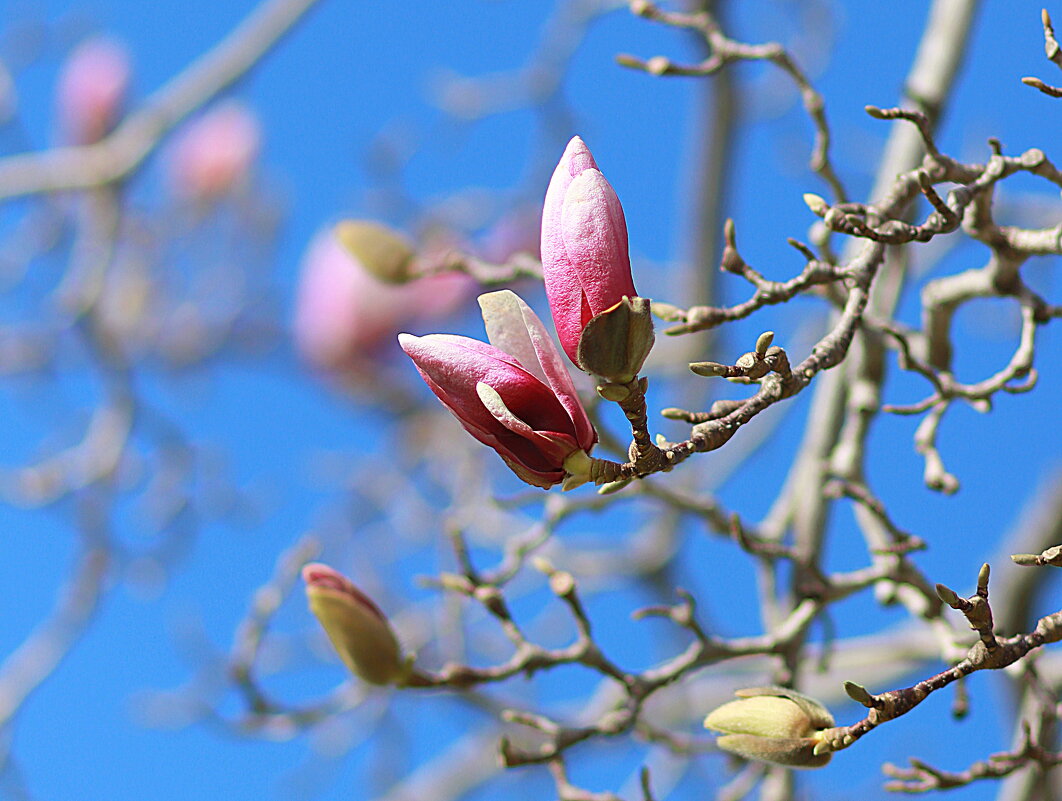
<point x="357" y="628"/>
<point x="383" y="252"/>
<point x="772" y="724"/>
<point x="817" y="205"/>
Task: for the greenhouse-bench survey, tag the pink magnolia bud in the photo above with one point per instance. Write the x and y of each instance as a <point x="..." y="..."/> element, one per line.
<point x="344" y="314"/>
<point x="92" y="86"/>
<point x="514" y="394"/>
<point x="584" y="246"/>
<point x="359" y="631"/>
<point x="214" y="153"/>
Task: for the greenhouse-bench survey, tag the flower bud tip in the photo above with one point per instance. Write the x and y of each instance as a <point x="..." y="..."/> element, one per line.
<point x="818" y="206"/>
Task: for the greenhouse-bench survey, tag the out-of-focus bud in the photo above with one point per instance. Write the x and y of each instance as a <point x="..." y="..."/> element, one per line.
<point x="382" y="251"/>
<point x="214" y="153"/>
<point x="773" y="724"/>
<point x="585" y="260"/>
<point x="357" y="628"/>
<point x="513" y="395"/>
<point x="91" y="89"/>
<point x="345" y="315"/>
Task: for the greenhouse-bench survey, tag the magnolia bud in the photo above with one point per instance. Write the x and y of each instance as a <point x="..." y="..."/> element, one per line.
<point x="585" y="258"/>
<point x="357" y="628"/>
<point x="91" y="89"/>
<point x="772" y="724"/>
<point x="214" y="153"/>
<point x="380" y="250"/>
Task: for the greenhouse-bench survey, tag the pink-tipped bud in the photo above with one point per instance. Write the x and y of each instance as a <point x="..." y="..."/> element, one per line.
<point x="91" y="89"/>
<point x="514" y="394"/>
<point x="214" y="153"/>
<point x="345" y="314"/>
<point x="357" y="628"/>
<point x="585" y="260"/>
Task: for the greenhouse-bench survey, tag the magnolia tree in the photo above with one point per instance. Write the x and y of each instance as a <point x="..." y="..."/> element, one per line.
<point x="782" y="573"/>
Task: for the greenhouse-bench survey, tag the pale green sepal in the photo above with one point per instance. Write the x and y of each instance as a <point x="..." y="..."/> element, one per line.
<point x="615" y="343"/>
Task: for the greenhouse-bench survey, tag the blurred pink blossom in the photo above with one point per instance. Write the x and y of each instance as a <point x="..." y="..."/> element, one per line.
<point x="344" y="316"/>
<point x="214" y="152"/>
<point x="91" y="88"/>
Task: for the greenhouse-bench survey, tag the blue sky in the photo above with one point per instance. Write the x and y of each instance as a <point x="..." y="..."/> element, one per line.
<point x="352" y="70"/>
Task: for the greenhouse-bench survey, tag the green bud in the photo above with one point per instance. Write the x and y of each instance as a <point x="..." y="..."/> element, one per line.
<point x="708" y="369"/>
<point x="859" y="694"/>
<point x="982" y="577"/>
<point x="615" y="343"/>
<point x="772" y="724"/>
<point x="948" y="596"/>
<point x="763" y="342"/>
<point x="817" y="205"/>
<point x="383" y="252"/>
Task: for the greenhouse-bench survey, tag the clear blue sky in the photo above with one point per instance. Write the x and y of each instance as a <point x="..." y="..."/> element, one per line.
<point x="352" y="69"/>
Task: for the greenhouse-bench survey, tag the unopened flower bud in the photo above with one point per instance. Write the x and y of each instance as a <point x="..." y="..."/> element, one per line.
<point x="357" y="628"/>
<point x="817" y="205"/>
<point x="214" y="153"/>
<point x="92" y="87"/>
<point x="585" y="258"/>
<point x="773" y="724"/>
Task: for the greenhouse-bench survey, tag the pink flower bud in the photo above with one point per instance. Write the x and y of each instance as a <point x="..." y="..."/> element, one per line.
<point x="584" y="246"/>
<point x="214" y="153"/>
<point x="92" y="86"/>
<point x="359" y="631"/>
<point x="344" y="314"/>
<point x="514" y="394"/>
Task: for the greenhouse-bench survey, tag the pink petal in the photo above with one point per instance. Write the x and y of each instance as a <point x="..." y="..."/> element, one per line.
<point x="562" y="284"/>
<point x="453" y="365"/>
<point x="595" y="238"/>
<point x="553" y="445"/>
<point x="514" y="328"/>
